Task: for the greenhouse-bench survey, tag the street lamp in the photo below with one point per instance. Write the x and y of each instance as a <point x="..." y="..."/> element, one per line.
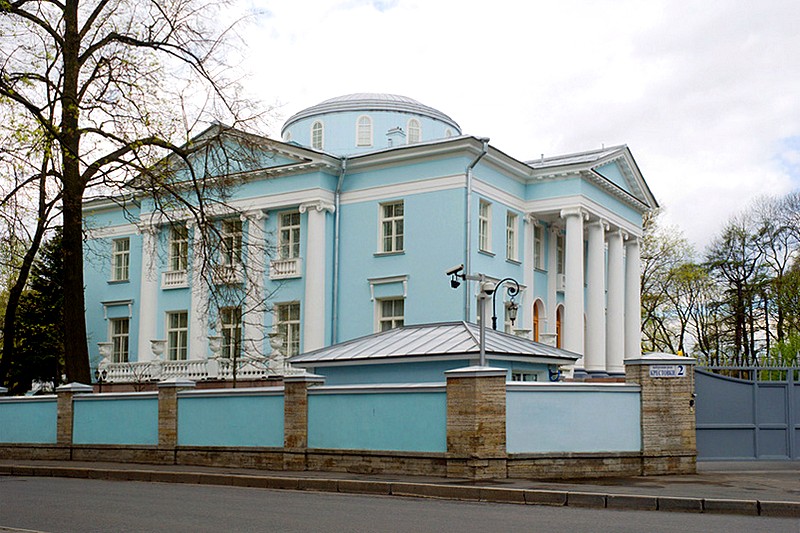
<point x="512" y="307"/>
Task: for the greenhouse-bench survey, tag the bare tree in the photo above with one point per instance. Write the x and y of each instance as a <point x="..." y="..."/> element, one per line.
<point x="115" y="86"/>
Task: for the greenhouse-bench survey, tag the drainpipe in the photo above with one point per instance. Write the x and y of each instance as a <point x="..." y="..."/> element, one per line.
<point x="468" y="229"/>
<point x="336" y="215"/>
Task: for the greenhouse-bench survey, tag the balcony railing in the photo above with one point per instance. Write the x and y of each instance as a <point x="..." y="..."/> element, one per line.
<point x="197" y="370"/>
<point x="176" y="279"/>
<point x="284" y="268"/>
<point x="227" y="274"/>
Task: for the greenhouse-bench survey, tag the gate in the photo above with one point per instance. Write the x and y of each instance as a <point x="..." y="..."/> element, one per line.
<point x="747" y="413"/>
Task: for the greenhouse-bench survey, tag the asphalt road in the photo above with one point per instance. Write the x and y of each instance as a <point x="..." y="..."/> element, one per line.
<point x="59" y="504"/>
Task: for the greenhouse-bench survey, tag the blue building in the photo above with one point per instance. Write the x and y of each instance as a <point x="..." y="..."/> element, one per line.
<point x="347" y="227"/>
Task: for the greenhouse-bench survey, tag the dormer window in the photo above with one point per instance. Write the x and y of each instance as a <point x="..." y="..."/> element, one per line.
<point x="364" y="131"/>
<point x="317" y="135"/>
<point x="414" y="131"/>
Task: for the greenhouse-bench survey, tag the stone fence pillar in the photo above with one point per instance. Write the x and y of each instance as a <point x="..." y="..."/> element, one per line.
<point x="669" y="443"/>
<point x="65" y="414"/>
<point x="295" y="419"/>
<point x="168" y="410"/>
<point x="476" y="422"/>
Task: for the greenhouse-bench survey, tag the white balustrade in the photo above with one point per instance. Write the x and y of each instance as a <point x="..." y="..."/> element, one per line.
<point x="284" y="268"/>
<point x="249" y="368"/>
<point x="177" y="279"/>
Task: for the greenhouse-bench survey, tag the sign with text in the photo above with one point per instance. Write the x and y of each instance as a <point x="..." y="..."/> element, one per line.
<point x="667" y="371"/>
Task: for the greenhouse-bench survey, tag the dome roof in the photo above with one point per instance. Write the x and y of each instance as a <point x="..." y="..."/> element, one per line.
<point x="371" y="102"/>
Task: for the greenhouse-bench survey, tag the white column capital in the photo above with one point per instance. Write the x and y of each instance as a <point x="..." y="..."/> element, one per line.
<point x="616" y="232"/>
<point x="256" y="215"/>
<point x="531" y="218"/>
<point x="148" y="228"/>
<point x="318" y="205"/>
<point x="598" y="222"/>
<point x="574" y="212"/>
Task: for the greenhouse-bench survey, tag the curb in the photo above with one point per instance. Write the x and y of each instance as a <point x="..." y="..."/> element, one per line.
<point x="594" y="500"/>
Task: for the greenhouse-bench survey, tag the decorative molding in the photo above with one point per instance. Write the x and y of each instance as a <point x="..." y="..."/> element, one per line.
<point x="385" y="281"/>
<point x="404" y="189"/>
<point x="574" y="212"/>
<point x="117" y="303"/>
<point x="318" y="205"/>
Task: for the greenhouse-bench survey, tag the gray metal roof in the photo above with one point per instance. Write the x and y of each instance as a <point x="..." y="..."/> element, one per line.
<point x="371" y="102"/>
<point x="440" y="340"/>
<point x="573" y="159"/>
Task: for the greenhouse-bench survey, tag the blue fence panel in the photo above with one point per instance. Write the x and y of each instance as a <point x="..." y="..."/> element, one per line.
<point x="249" y="419"/>
<point x="397" y="419"/>
<point x="130" y="418"/>
<point x="572" y="418"/>
<point x="28" y="420"/>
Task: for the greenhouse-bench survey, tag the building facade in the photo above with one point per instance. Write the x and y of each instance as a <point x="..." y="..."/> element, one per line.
<point x="347" y="227"/>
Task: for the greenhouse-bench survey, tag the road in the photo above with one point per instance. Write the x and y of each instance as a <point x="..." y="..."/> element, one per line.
<point x="65" y="505"/>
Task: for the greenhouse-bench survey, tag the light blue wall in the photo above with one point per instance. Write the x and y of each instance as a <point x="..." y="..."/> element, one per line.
<point x="230" y="419"/>
<point x="408" y="421"/>
<point x="422" y="372"/>
<point x="28" y="420"/>
<point x="119" y="419"/>
<point x="544" y="419"/>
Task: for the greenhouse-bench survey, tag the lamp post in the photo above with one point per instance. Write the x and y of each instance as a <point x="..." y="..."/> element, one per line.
<point x="512" y="307"/>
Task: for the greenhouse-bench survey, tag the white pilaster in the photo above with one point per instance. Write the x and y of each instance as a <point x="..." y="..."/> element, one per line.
<point x="148" y="293"/>
<point x="574" y="292"/>
<point x="315" y="302"/>
<point x="198" y="315"/>
<point x="633" y="300"/>
<point x="595" y="358"/>
<point x="253" y="312"/>
<point x="525" y="319"/>
<point x="552" y="282"/>
<point x="615" y="324"/>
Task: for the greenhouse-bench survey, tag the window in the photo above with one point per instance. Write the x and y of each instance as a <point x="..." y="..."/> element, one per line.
<point x="414" y="131"/>
<point x="391" y="314"/>
<point x="231" y="233"/>
<point x="392" y="227"/>
<point x="119" y="339"/>
<point x="559" y="328"/>
<point x="524" y="376"/>
<point x="559" y="254"/>
<point x="317" y="135"/>
<point x="178" y="247"/>
<point x="538" y="246"/>
<point x="289" y="235"/>
<point x="511" y="236"/>
<point x="364" y="131"/>
<point x="177" y="335"/>
<point x="121" y="260"/>
<point x="484" y="226"/>
<point x="537" y="318"/>
<point x="289" y="326"/>
<point x="230" y="320"/>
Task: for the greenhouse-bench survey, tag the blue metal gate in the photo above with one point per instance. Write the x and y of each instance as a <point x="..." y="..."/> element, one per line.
<point x="747" y="413"/>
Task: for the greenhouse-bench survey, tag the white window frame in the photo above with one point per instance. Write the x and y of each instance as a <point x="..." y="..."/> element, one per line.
<point x="317" y="135"/>
<point x="177" y="335"/>
<point x="512" y="230"/>
<point x="384" y="321"/>
<point x="485" y="226"/>
<point x="287" y="322"/>
<point x="538" y="246"/>
<point x="230" y="326"/>
<point x="120" y="339"/>
<point x="231" y="231"/>
<point x="289" y="235"/>
<point x="178" y="248"/>
<point x="391" y="228"/>
<point x="414" y="129"/>
<point x="120" y="259"/>
<point x="524" y="375"/>
<point x="364" y="130"/>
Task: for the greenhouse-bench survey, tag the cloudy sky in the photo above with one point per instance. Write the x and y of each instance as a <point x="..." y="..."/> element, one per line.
<point x="705" y="93"/>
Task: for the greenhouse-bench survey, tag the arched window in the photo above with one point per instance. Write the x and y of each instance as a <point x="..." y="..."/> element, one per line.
<point x="559" y="327"/>
<point x="317" y="135"/>
<point x="364" y="131"/>
<point x="414" y="131"/>
<point x="538" y="312"/>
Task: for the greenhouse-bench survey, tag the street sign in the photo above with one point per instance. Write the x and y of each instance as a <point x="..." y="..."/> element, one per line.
<point x="667" y="371"/>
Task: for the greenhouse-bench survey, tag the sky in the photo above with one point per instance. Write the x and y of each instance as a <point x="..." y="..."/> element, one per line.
<point x="705" y="93"/>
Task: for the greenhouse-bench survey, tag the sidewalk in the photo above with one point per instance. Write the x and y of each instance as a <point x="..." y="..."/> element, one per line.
<point x="753" y="488"/>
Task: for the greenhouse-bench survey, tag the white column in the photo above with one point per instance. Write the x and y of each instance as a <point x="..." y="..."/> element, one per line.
<point x="552" y="282"/>
<point x="525" y="318"/>
<point x="573" y="292"/>
<point x="148" y="293"/>
<point x="615" y="324"/>
<point x="254" y="304"/>
<point x="633" y="300"/>
<point x="595" y="358"/>
<point x="315" y="302"/>
<point x="198" y="314"/>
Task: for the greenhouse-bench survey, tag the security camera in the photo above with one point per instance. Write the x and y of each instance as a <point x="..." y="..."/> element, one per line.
<point x="453" y="271"/>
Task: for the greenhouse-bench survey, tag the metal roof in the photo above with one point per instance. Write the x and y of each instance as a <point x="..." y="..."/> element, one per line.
<point x="439" y="340"/>
<point x="371" y="102"/>
<point x="589" y="156"/>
